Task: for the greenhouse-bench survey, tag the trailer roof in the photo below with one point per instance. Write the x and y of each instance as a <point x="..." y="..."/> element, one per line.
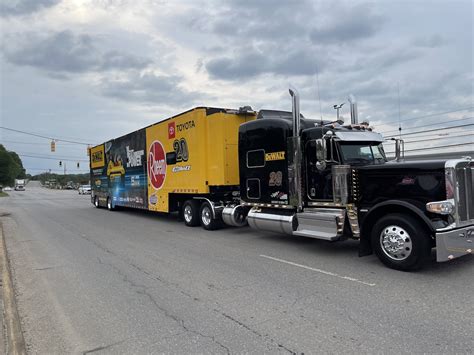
<point x="209" y="111"/>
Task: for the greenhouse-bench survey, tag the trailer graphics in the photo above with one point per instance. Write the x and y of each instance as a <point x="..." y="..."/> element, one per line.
<point x="169" y="165"/>
<point x="118" y="171"/>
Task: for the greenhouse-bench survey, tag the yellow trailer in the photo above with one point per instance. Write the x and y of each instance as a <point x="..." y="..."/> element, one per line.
<point x="187" y="163"/>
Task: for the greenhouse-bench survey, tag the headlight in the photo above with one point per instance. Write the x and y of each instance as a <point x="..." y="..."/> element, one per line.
<point x="441" y="207"/>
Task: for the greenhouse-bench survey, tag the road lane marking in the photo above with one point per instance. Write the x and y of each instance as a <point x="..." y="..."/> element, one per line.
<point x="348" y="278"/>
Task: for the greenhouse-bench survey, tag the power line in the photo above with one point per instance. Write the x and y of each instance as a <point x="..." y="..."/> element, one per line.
<point x="434" y="130"/>
<point x="439" y="147"/>
<point x="46" y="137"/>
<point x="54" y="156"/>
<point x="432" y="115"/>
<point x="444" y="135"/>
<point x="47" y="169"/>
<point x="31" y="143"/>
<point x="432" y="124"/>
<point x="48" y="158"/>
<point x="439" y="138"/>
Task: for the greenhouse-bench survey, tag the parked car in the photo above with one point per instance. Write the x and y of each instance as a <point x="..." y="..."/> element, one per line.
<point x="85" y="190"/>
<point x="7" y="188"/>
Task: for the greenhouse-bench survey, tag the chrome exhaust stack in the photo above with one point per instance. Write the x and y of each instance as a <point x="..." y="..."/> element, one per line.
<point x="295" y="155"/>
<point x="354" y="113"/>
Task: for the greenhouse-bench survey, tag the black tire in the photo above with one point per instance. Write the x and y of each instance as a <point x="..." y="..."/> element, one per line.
<point x="109" y="204"/>
<point x="96" y="202"/>
<point x="401" y="242"/>
<point x="206" y="218"/>
<point x="191" y="213"/>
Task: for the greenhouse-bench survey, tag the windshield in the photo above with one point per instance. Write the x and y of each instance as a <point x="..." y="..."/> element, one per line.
<point x="362" y="153"/>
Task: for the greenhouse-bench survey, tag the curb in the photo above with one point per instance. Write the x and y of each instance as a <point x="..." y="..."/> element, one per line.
<point x="15" y="343"/>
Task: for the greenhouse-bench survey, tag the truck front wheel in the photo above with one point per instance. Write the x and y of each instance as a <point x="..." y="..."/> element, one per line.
<point x="208" y="221"/>
<point x="401" y="242"/>
<point x="191" y="213"/>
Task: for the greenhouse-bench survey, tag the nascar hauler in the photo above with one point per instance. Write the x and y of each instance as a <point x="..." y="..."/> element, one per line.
<point x="279" y="172"/>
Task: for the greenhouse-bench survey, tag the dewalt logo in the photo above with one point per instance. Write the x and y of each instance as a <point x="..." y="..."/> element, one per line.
<point x="275" y="156"/>
<point x="97" y="157"/>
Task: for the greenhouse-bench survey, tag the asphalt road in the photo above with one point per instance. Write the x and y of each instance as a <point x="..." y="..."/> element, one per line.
<point x="90" y="280"/>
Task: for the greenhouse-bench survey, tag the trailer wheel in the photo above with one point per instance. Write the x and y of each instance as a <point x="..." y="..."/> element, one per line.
<point x="109" y="204"/>
<point x="96" y="202"/>
<point x="207" y="220"/>
<point x="401" y="242"/>
<point x="191" y="213"/>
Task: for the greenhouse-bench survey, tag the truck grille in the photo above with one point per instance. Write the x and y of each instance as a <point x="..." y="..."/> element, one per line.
<point x="464" y="183"/>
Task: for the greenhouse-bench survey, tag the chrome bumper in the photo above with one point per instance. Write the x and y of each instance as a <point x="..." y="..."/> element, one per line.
<point x="454" y="243"/>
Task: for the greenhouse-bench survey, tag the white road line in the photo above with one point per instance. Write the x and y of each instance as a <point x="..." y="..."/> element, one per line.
<point x="319" y="270"/>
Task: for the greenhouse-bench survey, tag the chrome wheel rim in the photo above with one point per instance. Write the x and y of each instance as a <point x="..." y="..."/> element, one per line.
<point x="96" y="202"/>
<point x="396" y="242"/>
<point x="206" y="215"/>
<point x="188" y="213"/>
<point x="109" y="204"/>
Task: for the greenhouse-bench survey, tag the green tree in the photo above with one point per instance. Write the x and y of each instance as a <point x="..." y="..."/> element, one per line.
<point x="11" y="167"/>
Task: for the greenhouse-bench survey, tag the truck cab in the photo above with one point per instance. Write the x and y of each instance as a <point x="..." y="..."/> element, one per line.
<point x="331" y="181"/>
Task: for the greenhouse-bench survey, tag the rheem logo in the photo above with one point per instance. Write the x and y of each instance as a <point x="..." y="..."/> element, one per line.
<point x="171" y="130"/>
<point x="156" y="165"/>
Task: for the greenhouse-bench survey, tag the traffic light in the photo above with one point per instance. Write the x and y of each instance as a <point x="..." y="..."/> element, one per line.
<point x="60" y="163"/>
<point x="78" y="165"/>
<point x="53" y="146"/>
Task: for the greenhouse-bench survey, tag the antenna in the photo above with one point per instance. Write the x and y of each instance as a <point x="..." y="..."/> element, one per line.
<point x="399" y="121"/>
<point x="319" y="95"/>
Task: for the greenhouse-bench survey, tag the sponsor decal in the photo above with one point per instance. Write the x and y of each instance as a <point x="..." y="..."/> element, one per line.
<point x="177" y="169"/>
<point x="97" y="157"/>
<point x="134" y="158"/>
<point x="156" y="165"/>
<point x="171" y="130"/>
<point x="135" y="180"/>
<point x="279" y="195"/>
<point x="153" y="199"/>
<point x="185" y="126"/>
<point x="408" y="181"/>
<point x="275" y="156"/>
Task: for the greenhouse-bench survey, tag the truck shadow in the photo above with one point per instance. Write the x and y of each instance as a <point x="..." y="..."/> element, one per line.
<point x="342" y="249"/>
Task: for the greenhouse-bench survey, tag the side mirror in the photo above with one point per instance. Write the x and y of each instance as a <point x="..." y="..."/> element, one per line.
<point x="171" y="158"/>
<point x="321" y="151"/>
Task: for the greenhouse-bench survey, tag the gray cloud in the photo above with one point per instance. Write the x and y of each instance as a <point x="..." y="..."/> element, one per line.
<point x="284" y="38"/>
<point x="347" y="24"/>
<point x="250" y="62"/>
<point x="433" y="41"/>
<point x="64" y="52"/>
<point x="149" y="88"/>
<point x="24" y="7"/>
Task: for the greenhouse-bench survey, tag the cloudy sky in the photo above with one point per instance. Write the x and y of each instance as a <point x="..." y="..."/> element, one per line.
<point x="91" y="70"/>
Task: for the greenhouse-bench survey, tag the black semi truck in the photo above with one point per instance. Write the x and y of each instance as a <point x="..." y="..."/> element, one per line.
<point x="333" y="182"/>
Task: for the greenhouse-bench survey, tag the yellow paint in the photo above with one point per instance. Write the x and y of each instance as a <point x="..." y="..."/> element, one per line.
<point x="97" y="157"/>
<point x="212" y="154"/>
<point x="275" y="156"/>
